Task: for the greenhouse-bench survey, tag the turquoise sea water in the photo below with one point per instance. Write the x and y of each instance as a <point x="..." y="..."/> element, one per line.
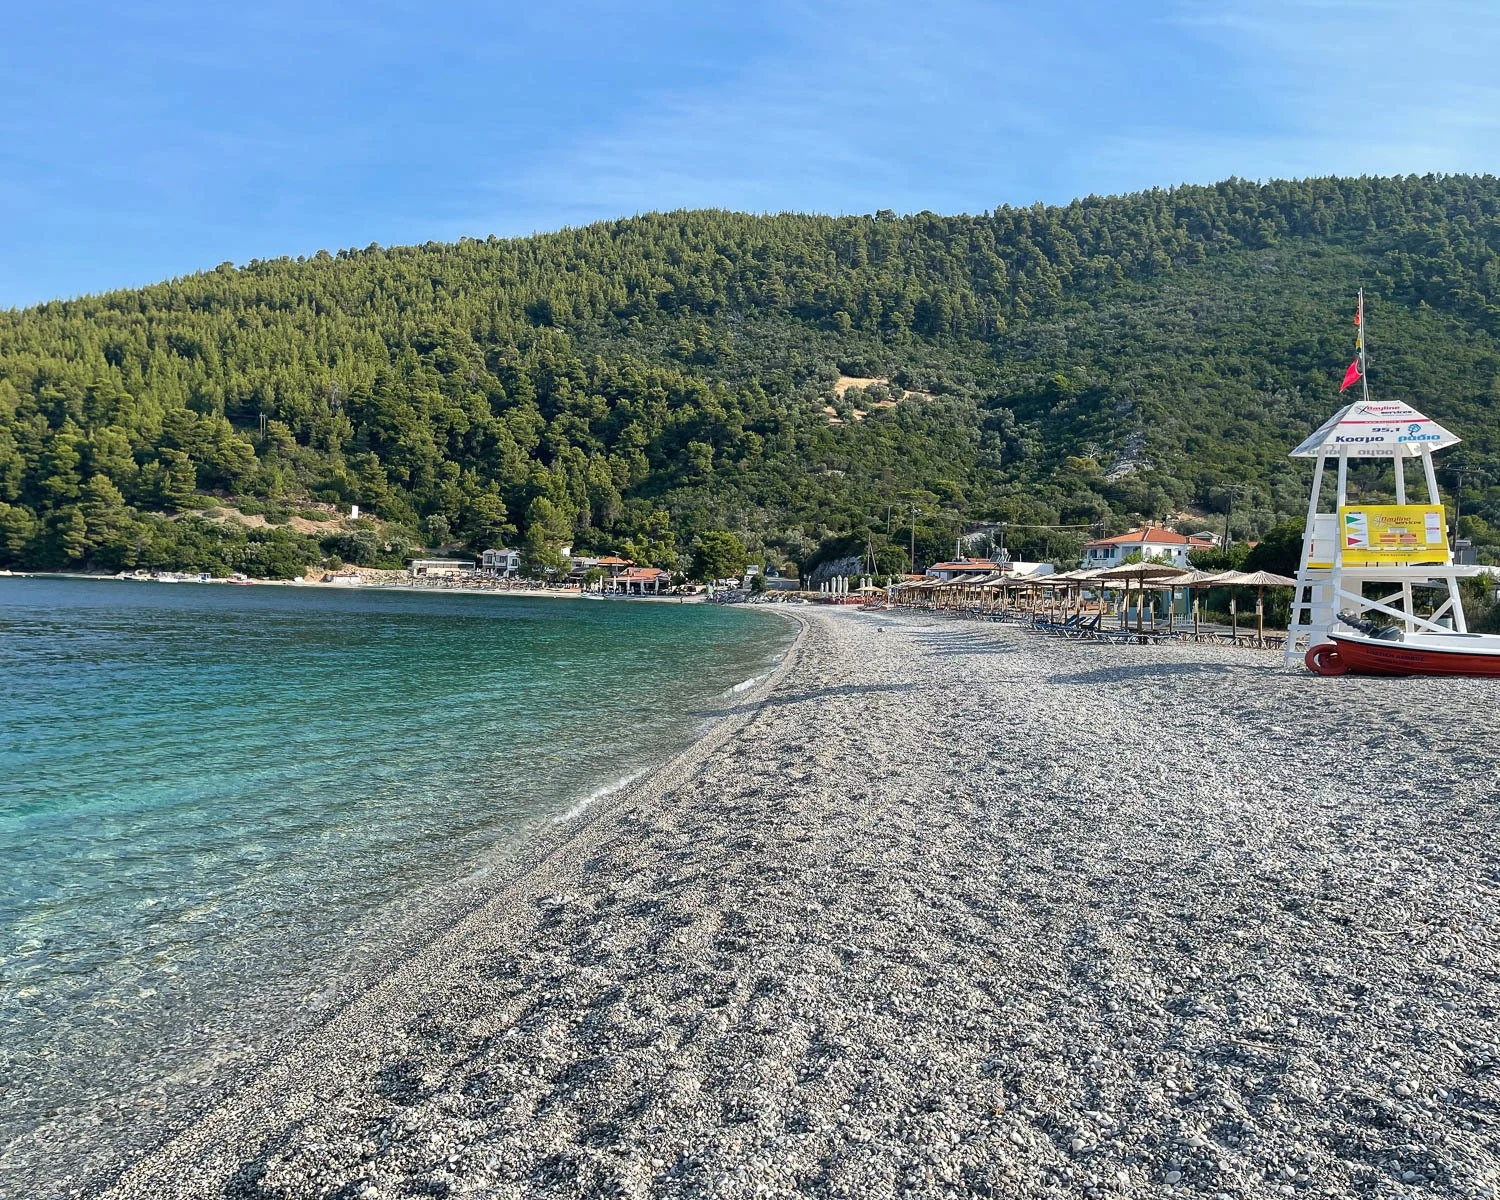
<point x="222" y="806"/>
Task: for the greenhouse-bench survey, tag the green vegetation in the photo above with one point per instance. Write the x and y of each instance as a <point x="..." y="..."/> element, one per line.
<point x="718" y="554"/>
<point x="794" y="380"/>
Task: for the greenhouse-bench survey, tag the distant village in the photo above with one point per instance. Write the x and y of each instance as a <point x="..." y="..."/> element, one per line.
<point x="606" y="573"/>
<point x="1153" y="542"/>
<point x="610" y="574"/>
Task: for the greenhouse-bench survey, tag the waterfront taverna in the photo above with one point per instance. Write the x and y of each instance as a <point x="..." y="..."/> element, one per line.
<point x="436" y="568"/>
<point x="638" y="580"/>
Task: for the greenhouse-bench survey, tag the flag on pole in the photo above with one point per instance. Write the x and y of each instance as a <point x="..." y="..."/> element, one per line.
<point x="1356" y="368"/>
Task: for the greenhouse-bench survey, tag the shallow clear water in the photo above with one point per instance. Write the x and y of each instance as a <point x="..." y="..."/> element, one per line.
<point x="218" y="803"/>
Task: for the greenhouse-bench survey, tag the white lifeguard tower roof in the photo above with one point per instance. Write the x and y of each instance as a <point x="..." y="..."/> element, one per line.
<point x="1376" y="429"/>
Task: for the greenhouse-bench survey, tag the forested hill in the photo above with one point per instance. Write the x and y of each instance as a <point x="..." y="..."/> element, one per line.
<point x="791" y="378"/>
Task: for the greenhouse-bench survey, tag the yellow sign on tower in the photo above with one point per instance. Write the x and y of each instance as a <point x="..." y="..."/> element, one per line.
<point x="1393" y="534"/>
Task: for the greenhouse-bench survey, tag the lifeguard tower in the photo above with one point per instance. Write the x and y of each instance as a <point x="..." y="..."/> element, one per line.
<point x="1402" y="546"/>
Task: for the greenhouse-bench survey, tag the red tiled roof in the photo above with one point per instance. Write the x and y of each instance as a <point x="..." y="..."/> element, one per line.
<point x="609" y="560"/>
<point x="641" y="573"/>
<point x="1155" y="536"/>
<point x="971" y="564"/>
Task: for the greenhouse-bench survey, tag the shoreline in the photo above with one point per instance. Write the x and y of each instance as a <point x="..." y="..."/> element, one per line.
<point x="434" y="925"/>
<point x="928" y="912"/>
<point x="274" y="1011"/>
<point x="302" y="584"/>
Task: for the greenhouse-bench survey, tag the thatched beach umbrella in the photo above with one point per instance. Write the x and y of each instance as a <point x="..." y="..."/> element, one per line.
<point x="1076" y="579"/>
<point x="957" y="586"/>
<point x="1072" y="584"/>
<point x="1260" y="581"/>
<point x="984" y="589"/>
<point x="1147" y="571"/>
<point x="1032" y="584"/>
<point x="1051" y="584"/>
<point x="1197" y="579"/>
<point x="1064" y="580"/>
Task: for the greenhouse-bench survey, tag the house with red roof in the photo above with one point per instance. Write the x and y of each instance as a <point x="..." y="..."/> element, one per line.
<point x="1153" y="542"/>
<point x="638" y="579"/>
<point x="609" y="565"/>
<point x="613" y="564"/>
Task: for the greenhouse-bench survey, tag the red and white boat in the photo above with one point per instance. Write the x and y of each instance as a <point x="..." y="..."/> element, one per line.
<point x="1351" y="653"/>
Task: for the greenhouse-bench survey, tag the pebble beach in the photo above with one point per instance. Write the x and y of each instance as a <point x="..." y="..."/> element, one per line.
<point x="950" y="909"/>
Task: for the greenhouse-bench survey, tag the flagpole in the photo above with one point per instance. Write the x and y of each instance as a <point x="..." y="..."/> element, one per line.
<point x="1364" y="374"/>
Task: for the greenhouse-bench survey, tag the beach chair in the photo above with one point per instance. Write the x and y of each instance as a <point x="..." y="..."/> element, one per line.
<point x="1081" y="629"/>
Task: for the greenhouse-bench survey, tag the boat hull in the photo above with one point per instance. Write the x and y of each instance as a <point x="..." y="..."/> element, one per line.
<point x="1371" y="656"/>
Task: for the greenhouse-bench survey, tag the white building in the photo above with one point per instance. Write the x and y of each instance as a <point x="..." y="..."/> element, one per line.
<point x="1159" y="545"/>
<point x="502" y="563"/>
<point x="435" y="568"/>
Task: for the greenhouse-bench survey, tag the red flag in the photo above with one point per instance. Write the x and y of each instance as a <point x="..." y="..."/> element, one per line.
<point x="1350" y="375"/>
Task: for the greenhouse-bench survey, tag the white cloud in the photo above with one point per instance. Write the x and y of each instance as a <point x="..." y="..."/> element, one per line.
<point x="969" y="104"/>
<point x="868" y="106"/>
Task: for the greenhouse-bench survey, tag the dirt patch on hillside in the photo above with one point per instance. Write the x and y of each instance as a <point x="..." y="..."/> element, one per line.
<point x="220" y="513"/>
<point x="845" y="382"/>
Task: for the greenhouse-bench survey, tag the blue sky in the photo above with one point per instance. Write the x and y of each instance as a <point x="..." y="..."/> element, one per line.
<point x="157" y="137"/>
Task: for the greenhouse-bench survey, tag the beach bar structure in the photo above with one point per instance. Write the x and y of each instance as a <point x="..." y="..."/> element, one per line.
<point x="639" y="581"/>
<point x="434" y="568"/>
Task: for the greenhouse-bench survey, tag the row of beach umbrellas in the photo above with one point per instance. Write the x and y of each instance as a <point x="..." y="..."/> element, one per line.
<point x="1145" y="574"/>
<point x="1165" y="575"/>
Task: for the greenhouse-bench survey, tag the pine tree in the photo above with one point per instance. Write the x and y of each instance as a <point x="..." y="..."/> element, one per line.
<point x="72" y="533"/>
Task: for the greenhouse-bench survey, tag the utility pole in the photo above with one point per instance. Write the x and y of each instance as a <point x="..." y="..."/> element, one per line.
<point x="1229" y="512"/>
<point x="913" y="539"/>
<point x="1458" y="503"/>
<point x="1460" y="474"/>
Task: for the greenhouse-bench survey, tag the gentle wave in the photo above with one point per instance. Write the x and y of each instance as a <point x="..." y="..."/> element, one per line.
<point x="609" y="789"/>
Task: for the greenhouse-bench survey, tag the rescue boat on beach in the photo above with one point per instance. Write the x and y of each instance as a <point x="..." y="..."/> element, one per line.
<point x="1349" y="653"/>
